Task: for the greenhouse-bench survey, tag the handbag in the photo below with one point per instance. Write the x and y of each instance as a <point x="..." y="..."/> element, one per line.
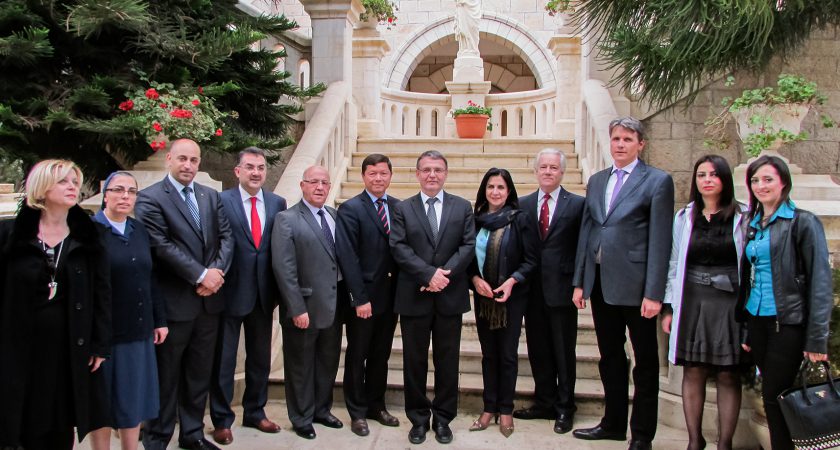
<point x="812" y="413"/>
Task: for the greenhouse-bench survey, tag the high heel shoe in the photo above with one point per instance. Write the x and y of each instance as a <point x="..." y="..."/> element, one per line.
<point x="506" y="429"/>
<point x="479" y="425"/>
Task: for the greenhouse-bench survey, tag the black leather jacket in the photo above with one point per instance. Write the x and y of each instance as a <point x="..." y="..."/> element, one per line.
<point x="801" y="277"/>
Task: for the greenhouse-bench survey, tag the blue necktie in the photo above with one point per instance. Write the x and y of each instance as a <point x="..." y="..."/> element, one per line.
<point x="192" y="206"/>
<point x="325" y="227"/>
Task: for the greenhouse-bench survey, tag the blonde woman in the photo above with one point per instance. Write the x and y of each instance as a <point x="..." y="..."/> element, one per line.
<point x="55" y="314"/>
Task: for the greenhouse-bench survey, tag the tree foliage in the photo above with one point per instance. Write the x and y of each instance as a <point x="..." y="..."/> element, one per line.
<point x="65" y="66"/>
<point x="668" y="48"/>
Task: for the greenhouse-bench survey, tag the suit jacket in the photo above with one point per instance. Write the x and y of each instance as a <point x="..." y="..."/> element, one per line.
<point x="250" y="276"/>
<point x="182" y="251"/>
<point x="364" y="254"/>
<point x="419" y="256"/>
<point x="559" y="249"/>
<point x="305" y="267"/>
<point x="634" y="237"/>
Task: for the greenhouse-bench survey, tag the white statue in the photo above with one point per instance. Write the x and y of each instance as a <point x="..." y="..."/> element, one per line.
<point x="467" y="16"/>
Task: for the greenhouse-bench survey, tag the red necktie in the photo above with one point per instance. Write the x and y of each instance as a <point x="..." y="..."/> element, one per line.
<point x="256" y="228"/>
<point x="544" y="217"/>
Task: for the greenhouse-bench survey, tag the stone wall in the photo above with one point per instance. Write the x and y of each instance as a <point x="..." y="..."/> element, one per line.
<point x="508" y="73"/>
<point x="676" y="133"/>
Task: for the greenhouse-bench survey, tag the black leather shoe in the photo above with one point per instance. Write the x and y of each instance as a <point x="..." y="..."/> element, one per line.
<point x="417" y="435"/>
<point x="306" y="432"/>
<point x="532" y="413"/>
<point x="329" y="421"/>
<point x="563" y="423"/>
<point x="443" y="434"/>
<point x="201" y="444"/>
<point x="636" y="444"/>
<point x="359" y="427"/>
<point x="384" y="417"/>
<point x="597" y="433"/>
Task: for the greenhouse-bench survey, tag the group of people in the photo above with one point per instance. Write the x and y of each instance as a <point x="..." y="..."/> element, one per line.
<point x="118" y="322"/>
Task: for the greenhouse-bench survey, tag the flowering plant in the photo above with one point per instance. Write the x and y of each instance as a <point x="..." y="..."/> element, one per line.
<point x="164" y="111"/>
<point x="472" y="108"/>
<point x="383" y="11"/>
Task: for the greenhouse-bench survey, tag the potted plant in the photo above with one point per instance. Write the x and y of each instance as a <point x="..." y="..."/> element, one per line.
<point x="554" y="7"/>
<point x="471" y="121"/>
<point x="379" y="12"/>
<point x="768" y="117"/>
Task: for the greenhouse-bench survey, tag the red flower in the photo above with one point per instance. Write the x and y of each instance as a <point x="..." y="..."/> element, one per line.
<point x="127" y="105"/>
<point x="200" y="90"/>
<point x="152" y="94"/>
<point x="181" y="113"/>
<point x="163" y="105"/>
<point x="470" y="103"/>
<point x="157" y="145"/>
<point x="157" y="127"/>
<point x="196" y="102"/>
<point x="390" y="20"/>
<point x="219" y="132"/>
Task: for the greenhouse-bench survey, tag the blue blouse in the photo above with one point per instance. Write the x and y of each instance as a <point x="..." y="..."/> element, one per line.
<point x="481" y="239"/>
<point x="762" y="302"/>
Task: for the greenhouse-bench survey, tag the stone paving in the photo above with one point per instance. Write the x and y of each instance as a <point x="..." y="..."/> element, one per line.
<point x="528" y="434"/>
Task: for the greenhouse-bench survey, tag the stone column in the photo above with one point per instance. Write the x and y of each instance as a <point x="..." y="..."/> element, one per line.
<point x="332" y="38"/>
<point x="567" y="51"/>
<point x="462" y="92"/>
<point x="368" y="49"/>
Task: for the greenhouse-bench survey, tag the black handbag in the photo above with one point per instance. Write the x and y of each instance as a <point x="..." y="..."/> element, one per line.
<point x="812" y="413"/>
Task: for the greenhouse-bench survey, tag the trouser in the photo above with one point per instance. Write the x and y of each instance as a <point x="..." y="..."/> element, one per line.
<point x="369" y="343"/>
<point x="500" y="357"/>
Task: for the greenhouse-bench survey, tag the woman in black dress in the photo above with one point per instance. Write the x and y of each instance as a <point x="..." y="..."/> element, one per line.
<point x="702" y="292"/>
<point x="55" y="315"/>
<point x="138" y="316"/>
<point x="504" y="259"/>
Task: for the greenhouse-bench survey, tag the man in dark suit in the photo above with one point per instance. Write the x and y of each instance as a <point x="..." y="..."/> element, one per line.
<point x="622" y="265"/>
<point x="251" y="295"/>
<point x="433" y="241"/>
<point x="551" y="318"/>
<point x="193" y="248"/>
<point x="306" y="269"/>
<point x="370" y="273"/>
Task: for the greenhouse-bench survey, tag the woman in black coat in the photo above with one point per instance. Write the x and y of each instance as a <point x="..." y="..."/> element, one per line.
<point x="55" y="315"/>
<point x="504" y="259"/>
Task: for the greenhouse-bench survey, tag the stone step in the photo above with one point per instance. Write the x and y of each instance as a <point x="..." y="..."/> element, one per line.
<point x="448" y="147"/>
<point x="589" y="393"/>
<point x="403" y="158"/>
<point x="465" y="190"/>
<point x="521" y="175"/>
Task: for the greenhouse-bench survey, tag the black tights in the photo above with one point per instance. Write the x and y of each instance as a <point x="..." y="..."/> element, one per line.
<point x="728" y="403"/>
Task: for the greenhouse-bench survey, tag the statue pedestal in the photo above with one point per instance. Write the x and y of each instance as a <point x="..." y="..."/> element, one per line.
<point x="468" y="69"/>
<point x="463" y="92"/>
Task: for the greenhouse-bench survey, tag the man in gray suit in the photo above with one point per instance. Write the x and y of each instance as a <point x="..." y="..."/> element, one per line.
<point x="193" y="247"/>
<point x="306" y="269"/>
<point x="622" y="264"/>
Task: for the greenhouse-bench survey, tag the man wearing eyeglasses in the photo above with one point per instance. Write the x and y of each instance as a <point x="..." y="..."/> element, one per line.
<point x="433" y="241"/>
<point x="193" y="248"/>
<point x="250" y="297"/>
<point x="311" y="287"/>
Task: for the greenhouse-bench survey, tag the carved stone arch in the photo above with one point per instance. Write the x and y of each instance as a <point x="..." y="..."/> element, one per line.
<point x="502" y="30"/>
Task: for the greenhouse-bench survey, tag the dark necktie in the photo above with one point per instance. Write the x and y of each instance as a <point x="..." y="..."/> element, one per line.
<point x="192" y="206"/>
<point x="432" y="215"/>
<point x="619" y="175"/>
<point x="383" y="216"/>
<point x="325" y="227"/>
<point x="256" y="226"/>
<point x="544" y="217"/>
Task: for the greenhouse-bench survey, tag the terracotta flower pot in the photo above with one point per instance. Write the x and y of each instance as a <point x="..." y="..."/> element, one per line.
<point x="471" y="126"/>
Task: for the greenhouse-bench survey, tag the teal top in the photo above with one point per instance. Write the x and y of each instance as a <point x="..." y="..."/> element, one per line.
<point x="762" y="302"/>
<point x="481" y="239"/>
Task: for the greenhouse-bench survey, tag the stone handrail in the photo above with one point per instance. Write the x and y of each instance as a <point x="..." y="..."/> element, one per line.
<point x="327" y="141"/>
<point x="593" y="140"/>
<point x="413" y="114"/>
<point x="527" y="114"/>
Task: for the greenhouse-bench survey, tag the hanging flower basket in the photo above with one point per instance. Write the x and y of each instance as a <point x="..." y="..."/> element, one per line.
<point x="471" y="126"/>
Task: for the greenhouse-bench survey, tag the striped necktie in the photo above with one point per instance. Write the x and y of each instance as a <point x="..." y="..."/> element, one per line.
<point x="192" y="206"/>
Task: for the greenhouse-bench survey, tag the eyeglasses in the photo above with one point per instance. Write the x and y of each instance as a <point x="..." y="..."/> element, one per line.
<point x="318" y="182"/>
<point x="427" y="171"/>
<point x="119" y="190"/>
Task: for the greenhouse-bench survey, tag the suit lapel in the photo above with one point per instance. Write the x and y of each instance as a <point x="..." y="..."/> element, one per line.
<point x="307" y="217"/>
<point x="371" y="211"/>
<point x="204" y="210"/>
<point x="238" y="207"/>
<point x="445" y="212"/>
<point x="599" y="189"/>
<point x="634" y="180"/>
<point x="181" y="205"/>
<point x="559" y="205"/>
<point x="270" y="212"/>
<point x="420" y="212"/>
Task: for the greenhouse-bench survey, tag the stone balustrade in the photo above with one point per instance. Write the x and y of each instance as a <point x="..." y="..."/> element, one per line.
<point x="526" y="114"/>
<point x="413" y="114"/>
<point x="592" y="142"/>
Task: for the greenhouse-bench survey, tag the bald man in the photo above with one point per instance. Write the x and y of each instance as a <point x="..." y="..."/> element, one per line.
<point x="306" y="269"/>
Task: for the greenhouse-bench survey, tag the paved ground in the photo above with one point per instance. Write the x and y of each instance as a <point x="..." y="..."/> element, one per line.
<point x="528" y="434"/>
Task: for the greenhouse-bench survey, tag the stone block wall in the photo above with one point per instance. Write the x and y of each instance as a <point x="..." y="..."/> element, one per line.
<point x="508" y="73"/>
<point x="676" y="133"/>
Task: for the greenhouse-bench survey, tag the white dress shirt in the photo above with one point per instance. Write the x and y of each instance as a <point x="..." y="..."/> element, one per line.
<point x="438" y="204"/>
<point x="613" y="179"/>
<point x="246" y="204"/>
